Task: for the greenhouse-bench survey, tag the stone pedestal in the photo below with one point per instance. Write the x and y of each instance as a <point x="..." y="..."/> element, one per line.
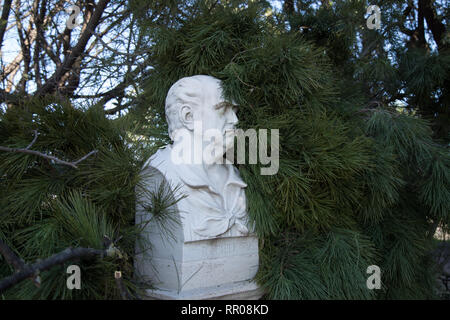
<point x="221" y="268"/>
<point x="244" y="290"/>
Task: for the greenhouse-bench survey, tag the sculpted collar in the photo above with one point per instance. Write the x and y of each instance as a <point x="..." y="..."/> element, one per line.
<point x="220" y="215"/>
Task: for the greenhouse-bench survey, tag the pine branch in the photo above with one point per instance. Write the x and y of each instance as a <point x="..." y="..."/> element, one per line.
<point x="51" y="85"/>
<point x="24" y="271"/>
<point x="28" y="271"/>
<point x="10" y="257"/>
<point x="84" y="157"/>
<point x="4" y="20"/>
<point x="45" y="156"/>
<point x="34" y="140"/>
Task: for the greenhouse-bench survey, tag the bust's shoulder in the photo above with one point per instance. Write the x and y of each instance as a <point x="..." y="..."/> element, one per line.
<point x="160" y="164"/>
<point x="160" y="159"/>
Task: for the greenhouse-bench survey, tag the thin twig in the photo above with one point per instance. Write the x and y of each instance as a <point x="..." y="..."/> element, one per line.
<point x="85" y="157"/>
<point x="122" y="289"/>
<point x="34" y="140"/>
<point x="45" y="156"/>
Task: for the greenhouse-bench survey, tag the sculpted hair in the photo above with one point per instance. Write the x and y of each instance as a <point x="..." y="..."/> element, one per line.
<point x="186" y="91"/>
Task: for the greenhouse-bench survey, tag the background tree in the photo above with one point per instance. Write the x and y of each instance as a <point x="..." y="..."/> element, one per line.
<point x="405" y="63"/>
<point x="46" y="49"/>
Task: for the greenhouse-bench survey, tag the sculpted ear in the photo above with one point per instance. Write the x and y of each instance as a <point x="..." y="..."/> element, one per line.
<point x="187" y="117"/>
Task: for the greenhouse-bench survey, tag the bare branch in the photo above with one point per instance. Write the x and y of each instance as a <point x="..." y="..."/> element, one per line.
<point x="51" y="85"/>
<point x="34" y="140"/>
<point x="32" y="270"/>
<point x="45" y="156"/>
<point x="11" y="66"/>
<point x="24" y="271"/>
<point x="4" y="20"/>
<point x="438" y="29"/>
<point x="85" y="157"/>
<point x="38" y="19"/>
<point x="10" y="257"/>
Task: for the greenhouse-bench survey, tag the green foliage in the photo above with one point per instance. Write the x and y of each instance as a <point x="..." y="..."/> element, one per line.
<point x="357" y="185"/>
<point x="326" y="266"/>
<point x="354" y="188"/>
<point x="390" y="65"/>
<point x="48" y="207"/>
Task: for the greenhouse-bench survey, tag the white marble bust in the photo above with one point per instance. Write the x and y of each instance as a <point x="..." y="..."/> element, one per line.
<point x="213" y="253"/>
<point x="214" y="203"/>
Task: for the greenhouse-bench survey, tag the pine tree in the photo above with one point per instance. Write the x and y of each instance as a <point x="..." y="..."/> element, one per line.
<point x="48" y="207"/>
<point x="357" y="186"/>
